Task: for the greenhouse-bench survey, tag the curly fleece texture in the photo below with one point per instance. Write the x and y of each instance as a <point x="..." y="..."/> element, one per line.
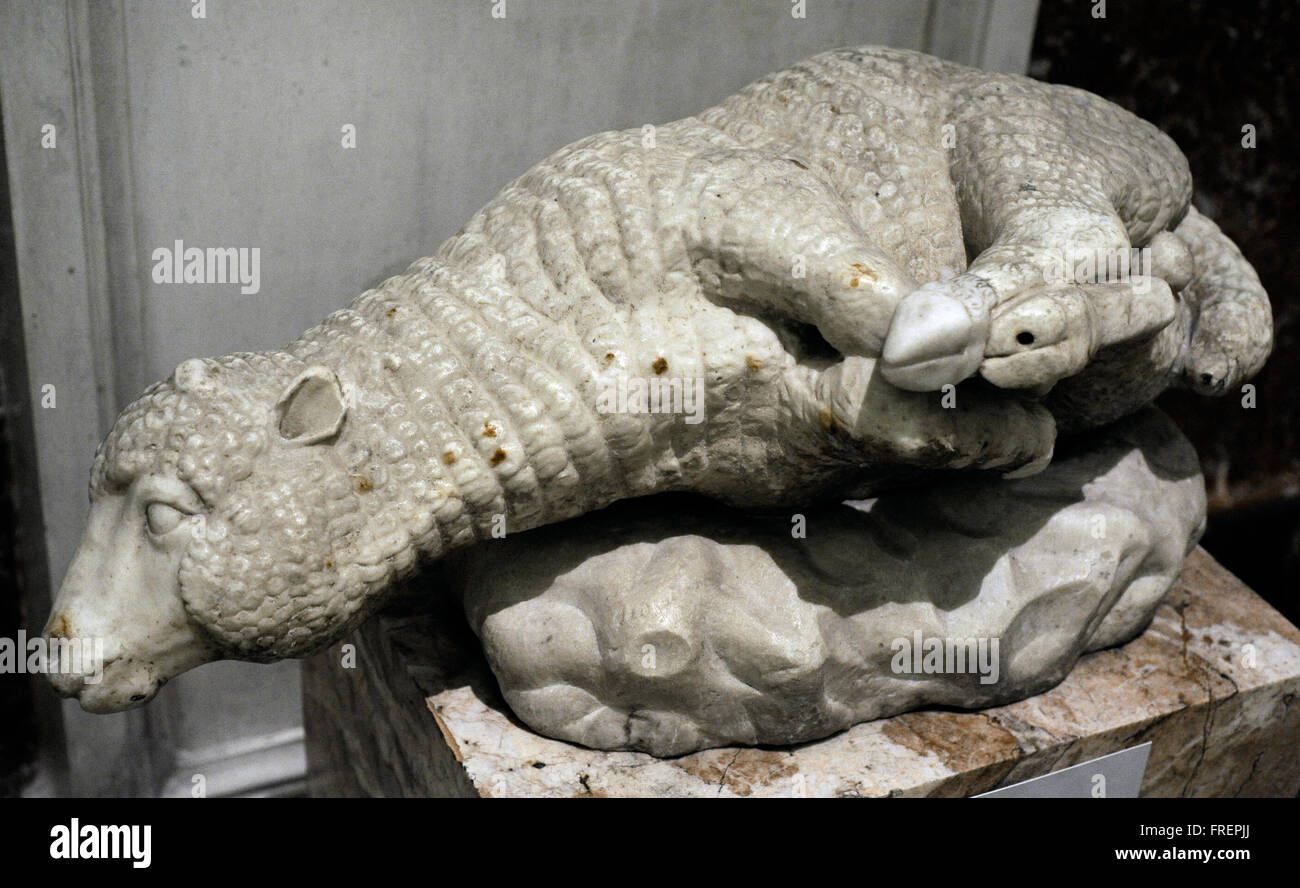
<point x="471" y="379"/>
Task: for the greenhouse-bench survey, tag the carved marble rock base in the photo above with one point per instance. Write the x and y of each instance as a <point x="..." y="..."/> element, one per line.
<point x="671" y="626"/>
<point x="1210" y="683"/>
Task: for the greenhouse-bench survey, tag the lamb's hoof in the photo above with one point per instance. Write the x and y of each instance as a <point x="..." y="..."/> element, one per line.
<point x="933" y="341"/>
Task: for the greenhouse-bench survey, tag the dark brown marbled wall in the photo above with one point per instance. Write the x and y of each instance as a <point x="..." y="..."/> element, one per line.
<point x="1201" y="70"/>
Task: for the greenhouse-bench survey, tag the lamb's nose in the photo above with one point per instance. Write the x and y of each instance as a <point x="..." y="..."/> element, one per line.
<point x="129" y="685"/>
<point x="67" y="684"/>
<point x="932" y="341"/>
<point x="57" y="626"/>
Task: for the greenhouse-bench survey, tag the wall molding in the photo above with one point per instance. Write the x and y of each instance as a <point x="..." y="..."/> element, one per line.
<point x="83" y="328"/>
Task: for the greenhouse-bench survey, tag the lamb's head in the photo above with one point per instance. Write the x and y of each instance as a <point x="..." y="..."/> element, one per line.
<point x="221" y="518"/>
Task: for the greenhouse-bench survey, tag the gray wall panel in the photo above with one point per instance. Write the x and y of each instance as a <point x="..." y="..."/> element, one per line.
<point x="225" y="131"/>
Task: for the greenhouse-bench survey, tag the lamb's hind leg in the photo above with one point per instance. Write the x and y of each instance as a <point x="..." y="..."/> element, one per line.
<point x="1233" y="331"/>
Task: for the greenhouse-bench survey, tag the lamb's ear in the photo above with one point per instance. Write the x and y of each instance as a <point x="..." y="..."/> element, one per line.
<point x="311" y="408"/>
<point x="193" y="375"/>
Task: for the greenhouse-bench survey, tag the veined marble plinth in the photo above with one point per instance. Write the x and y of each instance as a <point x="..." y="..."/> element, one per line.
<point x="1210" y="684"/>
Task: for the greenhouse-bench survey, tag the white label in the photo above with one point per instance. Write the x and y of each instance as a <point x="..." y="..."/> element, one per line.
<point x="1115" y="776"/>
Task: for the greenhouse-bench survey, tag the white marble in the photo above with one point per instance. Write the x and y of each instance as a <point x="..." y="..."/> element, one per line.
<point x="796" y="258"/>
<point x="669" y="627"/>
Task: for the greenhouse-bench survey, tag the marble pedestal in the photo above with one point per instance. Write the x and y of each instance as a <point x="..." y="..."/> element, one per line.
<point x="412" y="710"/>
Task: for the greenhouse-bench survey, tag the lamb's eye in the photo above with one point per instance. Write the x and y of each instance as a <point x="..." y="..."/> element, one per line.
<point x="162" y="518"/>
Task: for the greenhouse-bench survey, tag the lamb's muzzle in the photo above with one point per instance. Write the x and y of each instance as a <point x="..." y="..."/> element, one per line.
<point x="121" y="599"/>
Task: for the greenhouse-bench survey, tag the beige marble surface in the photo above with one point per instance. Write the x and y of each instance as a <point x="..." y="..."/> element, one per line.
<point x="1210" y="684"/>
